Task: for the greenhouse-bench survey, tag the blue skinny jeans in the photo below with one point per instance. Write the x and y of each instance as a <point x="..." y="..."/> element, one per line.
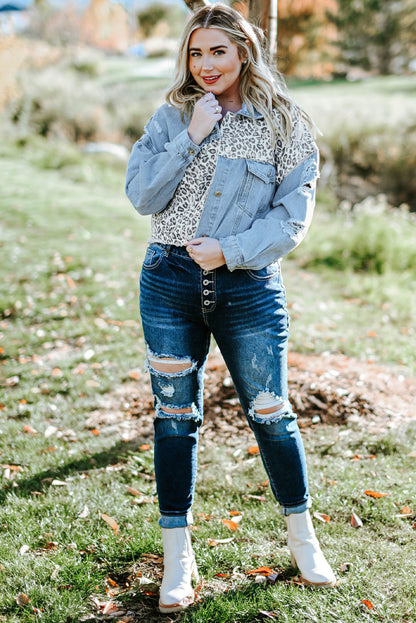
<point x="245" y="311"/>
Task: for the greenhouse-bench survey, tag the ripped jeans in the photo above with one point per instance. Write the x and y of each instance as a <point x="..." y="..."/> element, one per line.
<point x="181" y="305"/>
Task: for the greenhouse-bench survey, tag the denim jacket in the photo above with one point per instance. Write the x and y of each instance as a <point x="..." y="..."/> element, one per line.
<point x="258" y="210"/>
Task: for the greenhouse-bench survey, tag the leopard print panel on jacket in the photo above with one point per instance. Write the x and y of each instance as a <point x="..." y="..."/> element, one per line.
<point x="240" y="137"/>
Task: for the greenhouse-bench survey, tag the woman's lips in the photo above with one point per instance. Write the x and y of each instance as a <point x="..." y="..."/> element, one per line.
<point x="210" y="79"/>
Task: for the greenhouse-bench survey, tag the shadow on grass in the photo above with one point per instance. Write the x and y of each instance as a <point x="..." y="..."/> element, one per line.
<point x="249" y="603"/>
<point x="120" y="452"/>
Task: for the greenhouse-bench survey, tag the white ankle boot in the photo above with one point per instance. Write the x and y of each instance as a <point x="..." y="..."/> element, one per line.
<point x="306" y="552"/>
<point x="176" y="592"/>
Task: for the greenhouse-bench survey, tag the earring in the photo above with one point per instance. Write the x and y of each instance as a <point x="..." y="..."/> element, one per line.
<point x="245" y="62"/>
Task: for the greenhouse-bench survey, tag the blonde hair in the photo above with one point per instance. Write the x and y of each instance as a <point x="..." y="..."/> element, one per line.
<point x="261" y="87"/>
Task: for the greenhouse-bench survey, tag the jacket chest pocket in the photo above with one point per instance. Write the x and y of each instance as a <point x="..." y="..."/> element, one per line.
<point x="257" y="187"/>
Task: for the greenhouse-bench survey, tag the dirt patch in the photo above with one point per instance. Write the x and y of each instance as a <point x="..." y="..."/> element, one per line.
<point x="323" y="389"/>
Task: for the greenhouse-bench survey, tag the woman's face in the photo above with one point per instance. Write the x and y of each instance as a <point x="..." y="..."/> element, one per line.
<point x="214" y="62"/>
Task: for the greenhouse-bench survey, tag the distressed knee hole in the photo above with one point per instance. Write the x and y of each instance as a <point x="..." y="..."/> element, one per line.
<point x="174" y="410"/>
<point x="180" y="412"/>
<point x="268" y="408"/>
<point x="169" y="365"/>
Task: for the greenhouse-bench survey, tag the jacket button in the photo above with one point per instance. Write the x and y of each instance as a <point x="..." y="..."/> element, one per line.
<point x="217" y="193"/>
<point x="191" y="151"/>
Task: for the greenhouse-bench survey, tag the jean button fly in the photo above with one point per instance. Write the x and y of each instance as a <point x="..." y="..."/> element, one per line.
<point x="206" y="282"/>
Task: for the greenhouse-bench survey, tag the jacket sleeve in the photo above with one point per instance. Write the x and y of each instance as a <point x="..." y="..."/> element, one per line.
<point x="284" y="226"/>
<point x="157" y="164"/>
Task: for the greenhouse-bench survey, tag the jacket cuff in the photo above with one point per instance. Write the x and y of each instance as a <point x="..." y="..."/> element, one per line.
<point x="231" y="252"/>
<point x="183" y="146"/>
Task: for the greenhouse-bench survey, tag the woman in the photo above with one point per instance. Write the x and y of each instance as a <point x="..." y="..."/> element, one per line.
<point x="227" y="169"/>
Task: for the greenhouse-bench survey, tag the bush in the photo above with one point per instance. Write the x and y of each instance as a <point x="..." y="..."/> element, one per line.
<point x="381" y="157"/>
<point x="371" y="237"/>
<point x="63" y="102"/>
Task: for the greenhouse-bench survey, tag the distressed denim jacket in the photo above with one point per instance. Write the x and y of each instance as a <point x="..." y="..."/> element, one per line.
<point x="260" y="202"/>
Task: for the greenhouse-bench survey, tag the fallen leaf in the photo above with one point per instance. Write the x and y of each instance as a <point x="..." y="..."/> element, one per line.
<point x="367" y="603"/>
<point x="133" y="374"/>
<point x="261" y="571"/>
<point x="95" y="431"/>
<point x="215" y="542"/>
<point x="92" y="383"/>
<point x="111" y="582"/>
<point x="253" y="450"/>
<point x="50" y="430"/>
<point x="232" y="525"/>
<point x="144" y="447"/>
<point x="356" y="521"/>
<point x="376" y="494"/>
<point x="235" y="513"/>
<point x="222" y="575"/>
<point x="57" y="372"/>
<point x="269" y="615"/>
<point x="322" y="517"/>
<point x="406" y="510"/>
<point x="345" y="566"/>
<point x="28" y="429"/>
<point x="133" y="491"/>
<point x="110" y="608"/>
<point x="12" y="468"/>
<point x="55" y="572"/>
<point x="84" y="513"/>
<point x="147" y="584"/>
<point x="22" y="599"/>
<point x="111" y="522"/>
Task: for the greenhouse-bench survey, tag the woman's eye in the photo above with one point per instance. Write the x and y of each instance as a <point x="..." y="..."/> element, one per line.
<point x="219" y="52"/>
<point x="194" y="54"/>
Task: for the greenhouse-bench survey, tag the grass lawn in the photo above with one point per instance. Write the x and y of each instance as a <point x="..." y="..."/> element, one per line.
<point x="72" y="534"/>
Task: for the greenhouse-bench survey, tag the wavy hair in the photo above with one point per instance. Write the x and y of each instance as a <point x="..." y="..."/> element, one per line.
<point x="261" y="87"/>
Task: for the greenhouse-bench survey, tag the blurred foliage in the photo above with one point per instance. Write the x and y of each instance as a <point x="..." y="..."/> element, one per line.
<point x="369" y="237"/>
<point x="306" y="38"/>
<point x="377" y="35"/>
<point x="151" y="15"/>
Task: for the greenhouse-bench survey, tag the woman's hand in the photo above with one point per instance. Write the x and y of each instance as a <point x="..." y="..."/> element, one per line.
<point x="207" y="112"/>
<point x="206" y="252"/>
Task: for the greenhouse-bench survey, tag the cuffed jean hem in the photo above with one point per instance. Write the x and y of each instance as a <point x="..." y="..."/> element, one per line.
<point x="300" y="508"/>
<point x="176" y="521"/>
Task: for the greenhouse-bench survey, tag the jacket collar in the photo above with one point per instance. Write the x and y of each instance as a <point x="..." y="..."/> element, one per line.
<point x="244" y="111"/>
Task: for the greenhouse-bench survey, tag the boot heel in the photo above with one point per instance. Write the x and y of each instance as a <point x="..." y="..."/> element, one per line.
<point x="306" y="553"/>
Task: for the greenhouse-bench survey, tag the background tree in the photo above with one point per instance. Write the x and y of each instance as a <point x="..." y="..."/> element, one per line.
<point x="378" y="35"/>
<point x="306" y="37"/>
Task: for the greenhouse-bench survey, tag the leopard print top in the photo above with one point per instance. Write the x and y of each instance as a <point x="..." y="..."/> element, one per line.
<point x="240" y="137"/>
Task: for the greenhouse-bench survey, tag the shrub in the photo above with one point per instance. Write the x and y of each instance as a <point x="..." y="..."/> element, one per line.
<point x="370" y="237"/>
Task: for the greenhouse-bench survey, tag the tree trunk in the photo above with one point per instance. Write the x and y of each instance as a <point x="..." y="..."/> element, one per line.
<point x="263" y="13"/>
<point x="194" y="5"/>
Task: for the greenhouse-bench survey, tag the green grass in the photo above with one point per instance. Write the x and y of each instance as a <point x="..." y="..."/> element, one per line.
<point x="70" y="251"/>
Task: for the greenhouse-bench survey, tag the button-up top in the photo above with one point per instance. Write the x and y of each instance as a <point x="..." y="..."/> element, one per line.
<point x="254" y="194"/>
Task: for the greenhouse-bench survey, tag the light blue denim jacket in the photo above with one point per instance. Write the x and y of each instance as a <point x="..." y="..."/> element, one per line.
<point x="257" y="217"/>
